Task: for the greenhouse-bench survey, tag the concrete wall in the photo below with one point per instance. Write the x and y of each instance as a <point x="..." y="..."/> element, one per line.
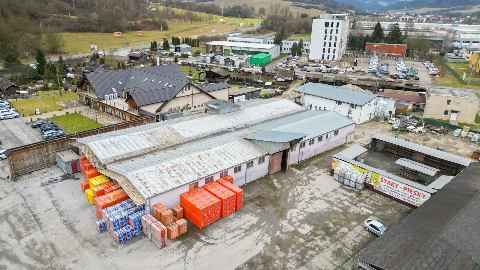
<point x="437" y="105"/>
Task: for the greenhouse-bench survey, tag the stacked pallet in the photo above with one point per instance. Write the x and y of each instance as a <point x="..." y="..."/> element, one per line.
<point x="154" y="230"/>
<point x="122" y="220"/>
<point x="350" y="177"/>
<point x="200" y="207"/>
<point x="226" y="197"/>
<point x="177" y="212"/>
<point x="169" y="218"/>
<point x="182" y="226"/>
<point x="238" y="192"/>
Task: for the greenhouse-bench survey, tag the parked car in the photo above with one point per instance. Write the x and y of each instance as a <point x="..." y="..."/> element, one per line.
<point x="9" y="115"/>
<point x="38" y="123"/>
<point x="3" y="154"/>
<point x="374" y="226"/>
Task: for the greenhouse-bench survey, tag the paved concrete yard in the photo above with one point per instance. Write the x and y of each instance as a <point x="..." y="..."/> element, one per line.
<point x="14" y="132"/>
<point x="302" y="219"/>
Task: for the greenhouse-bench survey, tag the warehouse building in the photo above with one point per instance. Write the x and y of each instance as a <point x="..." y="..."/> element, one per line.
<point x="441" y="234"/>
<point x="360" y="106"/>
<point x="385" y="49"/>
<point x="404" y="171"/>
<point x="227" y="48"/>
<point x="157" y="162"/>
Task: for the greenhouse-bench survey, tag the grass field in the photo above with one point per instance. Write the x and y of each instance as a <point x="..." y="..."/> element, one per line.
<point x="75" y="122"/>
<point x="76" y="43"/>
<point x="45" y="102"/>
<point x="215" y="18"/>
<point x="300" y="36"/>
<point x="447" y="78"/>
<point x="267" y="3"/>
<point x="186" y="70"/>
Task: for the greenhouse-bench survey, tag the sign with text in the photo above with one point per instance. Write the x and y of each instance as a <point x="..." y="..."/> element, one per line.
<point x="399" y="190"/>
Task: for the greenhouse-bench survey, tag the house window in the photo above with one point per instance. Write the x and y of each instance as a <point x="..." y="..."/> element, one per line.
<point x="209" y="179"/>
<point x="352" y="106"/>
<point x="320" y="138"/>
<point x="449" y="101"/>
<point x="249" y="164"/>
<point x="311" y="141"/>
<point x="237" y="169"/>
<point x="445" y="113"/>
<point x="261" y="160"/>
<point x="223" y="174"/>
<point x="327" y="136"/>
<point x="326" y="24"/>
<point x="339" y="103"/>
<point x="335" y="133"/>
<point x="193" y="185"/>
<point x="302" y="145"/>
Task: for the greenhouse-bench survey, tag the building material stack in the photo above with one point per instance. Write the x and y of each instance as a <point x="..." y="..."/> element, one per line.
<point x="238" y="192"/>
<point x="226" y="197"/>
<point x="172" y="219"/>
<point x="200" y="207"/>
<point x="154" y="230"/>
<point x="122" y="220"/>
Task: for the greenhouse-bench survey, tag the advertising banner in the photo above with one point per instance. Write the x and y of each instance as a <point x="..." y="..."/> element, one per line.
<point x="399" y="190"/>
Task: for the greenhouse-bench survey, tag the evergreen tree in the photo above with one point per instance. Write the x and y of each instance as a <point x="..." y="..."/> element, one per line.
<point x="41" y="62"/>
<point x="279" y="37"/>
<point x="10" y="59"/>
<point x="378" y="34"/>
<point x="395" y="35"/>
<point x="300" y="47"/>
<point x="294" y="49"/>
<point x="166" y="46"/>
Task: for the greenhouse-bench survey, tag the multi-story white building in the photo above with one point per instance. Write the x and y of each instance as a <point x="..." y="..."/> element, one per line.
<point x="258" y="39"/>
<point x="329" y="37"/>
<point x="356" y="105"/>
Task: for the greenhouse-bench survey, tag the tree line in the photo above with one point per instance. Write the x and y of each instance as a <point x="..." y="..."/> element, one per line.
<point x="394" y="36"/>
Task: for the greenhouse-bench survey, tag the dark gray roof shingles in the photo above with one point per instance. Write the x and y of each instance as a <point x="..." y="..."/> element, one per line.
<point x="146" y="86"/>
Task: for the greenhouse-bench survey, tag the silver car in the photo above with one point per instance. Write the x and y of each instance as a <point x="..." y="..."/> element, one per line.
<point x="374" y="227"/>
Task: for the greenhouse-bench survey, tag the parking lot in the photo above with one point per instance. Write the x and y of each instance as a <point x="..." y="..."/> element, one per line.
<point x="301" y="219"/>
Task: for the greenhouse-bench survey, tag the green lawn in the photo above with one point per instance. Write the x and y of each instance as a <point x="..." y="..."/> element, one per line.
<point x="46" y="101"/>
<point x="76" y="43"/>
<point x="75" y="122"/>
<point x="186" y="70"/>
<point x="448" y="79"/>
<point x="300" y="36"/>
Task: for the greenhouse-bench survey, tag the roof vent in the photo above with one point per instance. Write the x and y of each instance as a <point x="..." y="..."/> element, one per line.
<point x="145" y="79"/>
<point x="165" y="84"/>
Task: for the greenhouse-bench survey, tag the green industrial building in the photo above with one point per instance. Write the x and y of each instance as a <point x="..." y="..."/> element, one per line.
<point x="260" y="59"/>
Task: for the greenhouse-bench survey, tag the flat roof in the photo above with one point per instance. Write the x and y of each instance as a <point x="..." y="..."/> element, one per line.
<point x="417" y="166"/>
<point x="424" y="149"/>
<point x="336" y="93"/>
<point x="242" y="44"/>
<point x="352" y="152"/>
<point x="128" y="143"/>
<point x="67" y="155"/>
<point x="440" y="234"/>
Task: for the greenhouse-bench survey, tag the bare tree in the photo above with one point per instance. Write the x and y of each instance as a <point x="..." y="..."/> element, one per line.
<point x="54" y="41"/>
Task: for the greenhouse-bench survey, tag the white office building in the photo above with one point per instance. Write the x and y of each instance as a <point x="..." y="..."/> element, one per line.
<point x="329" y="37"/>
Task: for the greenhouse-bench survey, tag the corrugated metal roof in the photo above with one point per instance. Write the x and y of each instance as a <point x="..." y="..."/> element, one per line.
<point x="424" y="149"/>
<point x="275" y="136"/>
<point x="131" y="142"/>
<point x="351" y="152"/>
<point x="336" y="93"/>
<point x="309" y="123"/>
<point x="417" y="166"/>
<point x="166" y="170"/>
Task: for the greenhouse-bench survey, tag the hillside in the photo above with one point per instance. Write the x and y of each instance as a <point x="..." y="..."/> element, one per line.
<point x="441" y="6"/>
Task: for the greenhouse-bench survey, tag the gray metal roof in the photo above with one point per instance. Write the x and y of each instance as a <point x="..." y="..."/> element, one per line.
<point x="417" y="166"/>
<point x="351" y="152"/>
<point x="141" y="140"/>
<point x="209" y="87"/>
<point x="275" y="136"/>
<point x="453" y="92"/>
<point x="336" y="93"/>
<point x="146" y="86"/>
<point x="424" y="149"/>
<point x="439" y="235"/>
<point x="441" y="181"/>
<point x="309" y="123"/>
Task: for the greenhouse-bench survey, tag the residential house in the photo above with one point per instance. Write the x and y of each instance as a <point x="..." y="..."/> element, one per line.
<point x="454" y="105"/>
<point x="156" y="90"/>
<point x="7" y="88"/>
